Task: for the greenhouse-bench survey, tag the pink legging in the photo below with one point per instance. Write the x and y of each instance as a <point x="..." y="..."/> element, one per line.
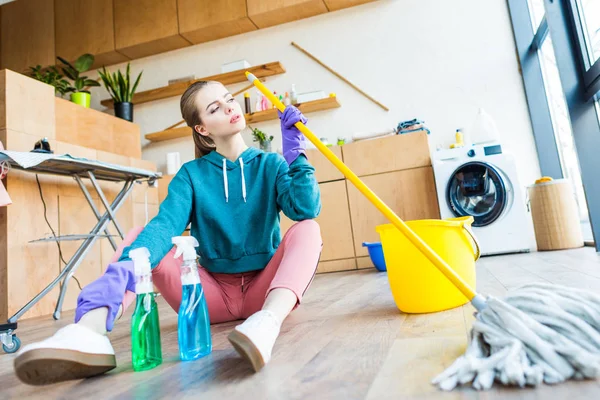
<point x="237" y="296"/>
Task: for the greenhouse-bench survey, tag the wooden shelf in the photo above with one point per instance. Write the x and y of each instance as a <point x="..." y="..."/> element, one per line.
<point x="308" y="107"/>
<point x="229" y="78"/>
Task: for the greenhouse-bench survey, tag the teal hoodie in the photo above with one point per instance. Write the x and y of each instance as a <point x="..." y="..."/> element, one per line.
<point x="233" y="208"/>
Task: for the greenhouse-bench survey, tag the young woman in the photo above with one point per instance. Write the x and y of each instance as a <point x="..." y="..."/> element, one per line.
<point x="232" y="196"/>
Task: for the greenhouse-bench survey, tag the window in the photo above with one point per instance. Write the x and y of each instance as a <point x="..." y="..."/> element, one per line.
<point x="589" y="14"/>
<point x="536" y="12"/>
<point x="563" y="133"/>
<point x="558" y="43"/>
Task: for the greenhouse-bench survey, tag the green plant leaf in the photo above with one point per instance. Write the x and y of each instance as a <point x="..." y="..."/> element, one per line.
<point x="128" y="83"/>
<point x="84" y="62"/>
<point x="91" y="83"/>
<point x="65" y="62"/>
<point x="135" y="85"/>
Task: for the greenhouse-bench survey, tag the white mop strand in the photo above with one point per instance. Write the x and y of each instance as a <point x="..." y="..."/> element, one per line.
<point x="538" y="333"/>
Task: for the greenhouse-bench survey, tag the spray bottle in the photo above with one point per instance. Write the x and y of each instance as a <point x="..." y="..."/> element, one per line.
<point x="193" y="319"/>
<point x="146" y="352"/>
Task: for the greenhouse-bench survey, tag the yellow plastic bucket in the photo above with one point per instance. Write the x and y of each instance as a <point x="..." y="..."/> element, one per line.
<point x="417" y="285"/>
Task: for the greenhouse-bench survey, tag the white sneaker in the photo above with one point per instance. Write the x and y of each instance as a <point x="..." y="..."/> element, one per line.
<point x="254" y="339"/>
<point x="73" y="352"/>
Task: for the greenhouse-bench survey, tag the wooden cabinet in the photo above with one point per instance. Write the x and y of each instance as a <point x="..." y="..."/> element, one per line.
<point x="84" y="26"/>
<point x="146" y="27"/>
<point x="27" y="34"/>
<point x="275" y="12"/>
<point x="409" y="193"/>
<point x="205" y="20"/>
<point x="336" y="231"/>
<point x="392" y="153"/>
<point x="334" y="5"/>
<point x="324" y="169"/>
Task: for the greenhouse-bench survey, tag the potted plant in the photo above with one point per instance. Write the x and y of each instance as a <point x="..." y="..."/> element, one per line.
<point x="120" y="89"/>
<point x="52" y="77"/>
<point x="81" y="84"/>
<point x="262" y="139"/>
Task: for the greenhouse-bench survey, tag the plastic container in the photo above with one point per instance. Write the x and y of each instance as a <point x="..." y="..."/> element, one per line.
<point x="376" y="254"/>
<point x="417" y="285"/>
<point x="146" y="351"/>
<point x="193" y="329"/>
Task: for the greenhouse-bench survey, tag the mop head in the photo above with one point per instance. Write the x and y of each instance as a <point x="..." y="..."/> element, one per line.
<point x="538" y="333"/>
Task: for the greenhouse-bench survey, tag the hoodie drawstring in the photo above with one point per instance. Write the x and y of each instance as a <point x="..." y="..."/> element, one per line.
<point x="226" y="183"/>
<point x="243" y="180"/>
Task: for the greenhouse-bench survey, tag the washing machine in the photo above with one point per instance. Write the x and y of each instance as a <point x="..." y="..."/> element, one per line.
<point x="481" y="181"/>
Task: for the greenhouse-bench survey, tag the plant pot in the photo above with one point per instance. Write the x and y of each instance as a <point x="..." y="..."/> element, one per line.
<point x="124" y="111"/>
<point x="81" y="98"/>
<point x="265" y="146"/>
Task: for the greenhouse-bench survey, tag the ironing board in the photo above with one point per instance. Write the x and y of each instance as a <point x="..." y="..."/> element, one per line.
<point x="78" y="168"/>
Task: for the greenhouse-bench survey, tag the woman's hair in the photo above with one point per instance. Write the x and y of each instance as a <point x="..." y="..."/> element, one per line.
<point x="191" y="115"/>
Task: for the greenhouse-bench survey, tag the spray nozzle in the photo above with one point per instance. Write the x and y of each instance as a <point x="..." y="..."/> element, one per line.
<point x="141" y="260"/>
<point x="186" y="246"/>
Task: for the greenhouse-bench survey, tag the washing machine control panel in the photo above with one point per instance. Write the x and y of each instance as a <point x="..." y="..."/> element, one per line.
<point x="471" y="153"/>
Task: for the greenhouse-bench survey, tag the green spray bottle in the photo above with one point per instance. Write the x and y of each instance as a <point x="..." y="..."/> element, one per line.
<point x="146" y="352"/>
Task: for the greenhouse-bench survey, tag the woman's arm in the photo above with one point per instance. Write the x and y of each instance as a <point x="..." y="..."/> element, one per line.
<point x="172" y="219"/>
<point x="298" y="192"/>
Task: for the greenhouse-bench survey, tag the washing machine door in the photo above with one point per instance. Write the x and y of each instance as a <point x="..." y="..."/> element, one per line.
<point x="477" y="189"/>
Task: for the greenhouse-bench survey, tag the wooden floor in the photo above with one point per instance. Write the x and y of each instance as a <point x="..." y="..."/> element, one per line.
<point x="347" y="341"/>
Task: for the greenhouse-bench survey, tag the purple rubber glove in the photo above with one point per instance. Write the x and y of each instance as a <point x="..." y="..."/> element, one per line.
<point x="107" y="291"/>
<point x="293" y="140"/>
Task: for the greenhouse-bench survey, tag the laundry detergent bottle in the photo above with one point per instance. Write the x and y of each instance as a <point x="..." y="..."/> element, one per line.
<point x="146" y="352"/>
<point x="193" y="320"/>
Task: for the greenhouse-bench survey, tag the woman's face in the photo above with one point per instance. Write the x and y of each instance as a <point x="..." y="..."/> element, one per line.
<point x="220" y="113"/>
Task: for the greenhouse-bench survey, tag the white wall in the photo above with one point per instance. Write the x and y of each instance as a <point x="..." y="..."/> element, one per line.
<point x="430" y="59"/>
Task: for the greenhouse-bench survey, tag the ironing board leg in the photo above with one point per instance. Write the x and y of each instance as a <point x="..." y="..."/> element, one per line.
<point x="88" y="243"/>
<point x="88" y="197"/>
<point x="74" y="262"/>
<point x="105" y="202"/>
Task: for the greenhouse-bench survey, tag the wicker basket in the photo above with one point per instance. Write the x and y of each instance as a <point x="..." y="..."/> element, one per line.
<point x="555" y="216"/>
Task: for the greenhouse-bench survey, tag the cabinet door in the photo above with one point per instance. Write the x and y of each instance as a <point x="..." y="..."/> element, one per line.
<point x="334" y="221"/>
<point x="27" y="34"/>
<point x="411" y="194"/>
<point x="265" y="13"/>
<point x="205" y="20"/>
<point x="388" y="154"/>
<point x="334" y="5"/>
<point x="84" y="26"/>
<point x="325" y="171"/>
<point x="147" y="27"/>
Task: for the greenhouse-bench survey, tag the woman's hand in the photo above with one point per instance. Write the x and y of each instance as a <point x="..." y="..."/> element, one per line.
<point x="293" y="140"/>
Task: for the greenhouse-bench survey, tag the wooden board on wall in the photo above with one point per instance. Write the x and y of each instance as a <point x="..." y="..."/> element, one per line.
<point x="409" y="193"/>
<point x="84" y="26"/>
<point x="96" y="130"/>
<point x="147" y="27"/>
<point x="334" y="5"/>
<point x="386" y="154"/>
<point x="205" y="20"/>
<point x="334" y="221"/>
<point x="27" y="34"/>
<point x="27" y="97"/>
<point x="269" y="13"/>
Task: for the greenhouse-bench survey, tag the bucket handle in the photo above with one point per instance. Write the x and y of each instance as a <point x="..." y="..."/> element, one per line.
<point x="474" y="241"/>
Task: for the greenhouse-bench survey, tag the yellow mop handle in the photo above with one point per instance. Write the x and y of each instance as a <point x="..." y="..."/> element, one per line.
<point x="368" y="193"/>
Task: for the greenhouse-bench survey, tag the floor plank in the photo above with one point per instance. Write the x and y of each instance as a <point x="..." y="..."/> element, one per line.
<point x="347" y="341"/>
